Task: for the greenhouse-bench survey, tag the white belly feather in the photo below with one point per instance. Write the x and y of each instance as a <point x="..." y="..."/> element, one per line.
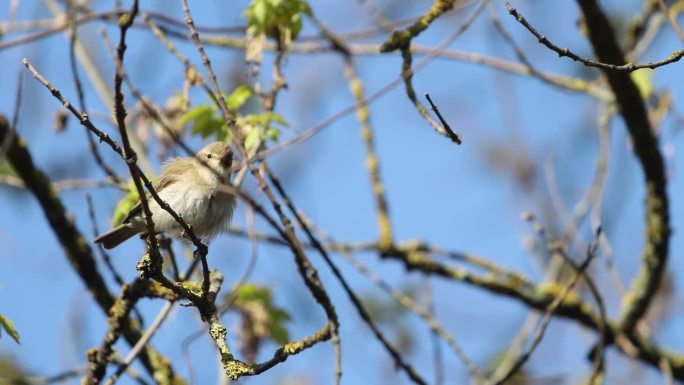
<point x="203" y="207"/>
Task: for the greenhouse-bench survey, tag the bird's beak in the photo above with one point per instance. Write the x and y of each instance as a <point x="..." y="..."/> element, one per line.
<point x="227" y="159"/>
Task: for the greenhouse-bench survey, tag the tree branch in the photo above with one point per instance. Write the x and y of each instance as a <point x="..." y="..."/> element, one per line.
<point x="633" y="110"/>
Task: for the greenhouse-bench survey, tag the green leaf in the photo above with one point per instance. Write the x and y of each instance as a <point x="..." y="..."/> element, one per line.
<point x="196" y="113"/>
<point x="202" y="126"/>
<point x="276" y="18"/>
<point x="251" y="292"/>
<point x="273" y="134"/>
<point x="206" y="126"/>
<point x="252" y="119"/>
<point x="264" y="119"/>
<point x="252" y="138"/>
<point x="277" y="317"/>
<point x="386" y="310"/>
<point x="260" y="126"/>
<point x="224" y="134"/>
<point x="276" y="325"/>
<point x="643" y="79"/>
<point x="239" y="97"/>
<point x="257" y="12"/>
<point x="125" y="205"/>
<point x="8" y="325"/>
<point x="206" y="122"/>
<point x="275" y="117"/>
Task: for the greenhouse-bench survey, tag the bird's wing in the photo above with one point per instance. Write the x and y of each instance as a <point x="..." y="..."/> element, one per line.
<point x="165" y="179"/>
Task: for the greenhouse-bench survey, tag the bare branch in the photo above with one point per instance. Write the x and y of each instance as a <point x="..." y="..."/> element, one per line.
<point x="565" y="52"/>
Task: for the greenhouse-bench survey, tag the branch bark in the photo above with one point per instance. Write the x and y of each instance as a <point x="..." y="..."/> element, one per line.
<point x="633" y="111"/>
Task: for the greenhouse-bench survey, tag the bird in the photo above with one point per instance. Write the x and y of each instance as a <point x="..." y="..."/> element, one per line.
<point x="192" y="186"/>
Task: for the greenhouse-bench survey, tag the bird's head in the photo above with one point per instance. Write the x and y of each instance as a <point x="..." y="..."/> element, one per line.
<point x="218" y="156"/>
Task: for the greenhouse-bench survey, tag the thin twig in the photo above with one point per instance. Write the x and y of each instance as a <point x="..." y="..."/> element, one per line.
<point x="671" y="20"/>
<point x="530" y="68"/>
<point x="393" y="351"/>
<point x="161" y="36"/>
<point x="60" y="185"/>
<point x="112" y="16"/>
<point x="556" y="247"/>
<point x="539" y="335"/>
<point x="55" y="379"/>
<point x="645" y="41"/>
<point x="453" y="135"/>
<point x="403" y="42"/>
<point x="105" y="256"/>
<point x="83" y="117"/>
<point x="128" y="153"/>
<point x="565" y="52"/>
<point x="144" y="339"/>
<point x="58" y="28"/>
<point x="377" y="15"/>
<point x="151" y="109"/>
<point x="437" y="354"/>
<point x="73" y="38"/>
<point x="18" y="97"/>
<point x="130" y="294"/>
<point x="421" y="311"/>
<point x="253" y="256"/>
<point x="639" y="25"/>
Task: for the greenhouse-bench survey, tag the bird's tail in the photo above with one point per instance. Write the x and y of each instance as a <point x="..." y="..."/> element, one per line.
<point x="116" y="236"/>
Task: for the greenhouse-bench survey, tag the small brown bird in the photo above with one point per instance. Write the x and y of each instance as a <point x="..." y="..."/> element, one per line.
<point x="192" y="187"/>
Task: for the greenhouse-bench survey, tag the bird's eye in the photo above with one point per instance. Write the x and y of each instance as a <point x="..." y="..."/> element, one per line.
<point x="208" y="156"/>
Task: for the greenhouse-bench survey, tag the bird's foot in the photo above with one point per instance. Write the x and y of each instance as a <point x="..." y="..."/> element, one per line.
<point x="201" y="251"/>
<point x="184" y="234"/>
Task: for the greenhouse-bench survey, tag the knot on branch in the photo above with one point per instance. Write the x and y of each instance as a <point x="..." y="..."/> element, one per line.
<point x="125" y="20"/>
<point x="235" y="369"/>
<point x="398" y="40"/>
<point x="131" y="158"/>
<point x="148" y="267"/>
<point x="201" y="250"/>
<point x="218" y="332"/>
